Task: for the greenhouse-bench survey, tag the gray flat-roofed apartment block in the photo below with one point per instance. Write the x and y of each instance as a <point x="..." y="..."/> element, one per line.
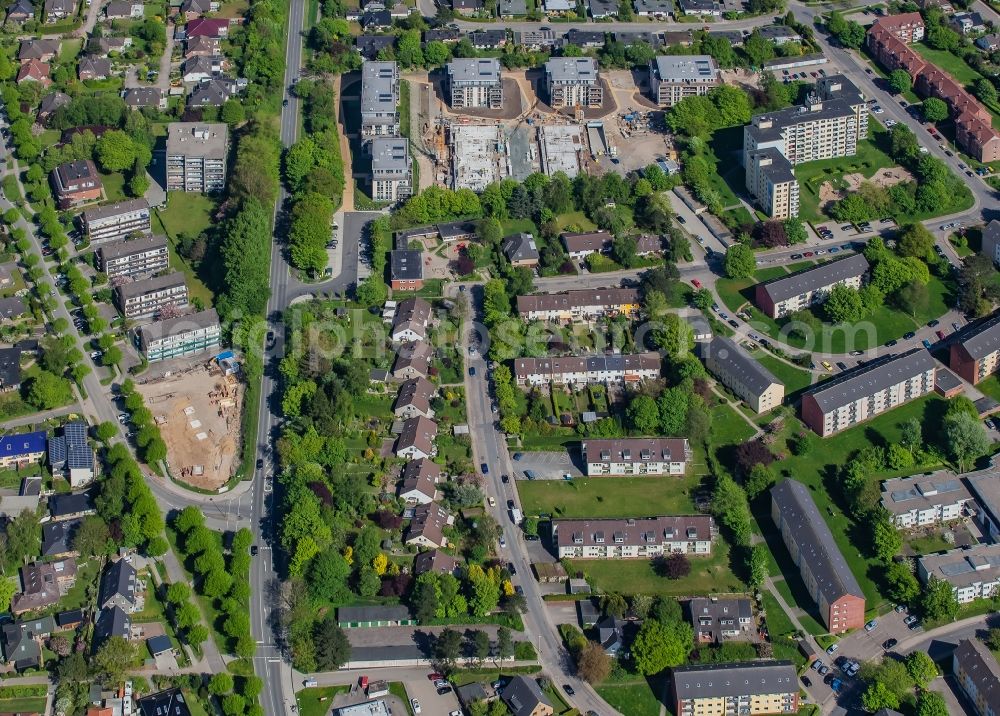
<point x="826" y="573"/>
<point x="973" y="572"/>
<point x="780" y="169"/>
<point x="391" y="169"/>
<point x="985" y="487"/>
<point x="573" y="81"/>
<point x="475" y="82"/>
<point x="732" y="365"/>
<point x="379" y="99"/>
<point x="674" y="77"/>
<point x="921" y="500"/>
<point x="114" y="221"/>
<point x="196" y="156"/>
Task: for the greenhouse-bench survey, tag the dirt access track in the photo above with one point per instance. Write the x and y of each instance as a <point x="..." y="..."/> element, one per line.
<point x="198" y="412"/>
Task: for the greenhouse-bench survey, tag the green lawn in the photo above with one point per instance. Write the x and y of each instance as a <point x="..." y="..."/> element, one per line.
<point x="778" y="622"/>
<point x="608" y="496"/>
<point x="888" y="323"/>
<point x="800" y="266"/>
<point x="187" y="213"/>
<point x="990" y="386"/>
<point x="114" y="186"/>
<point x="952" y="64"/>
<point x="23" y="705"/>
<point x="795" y="379"/>
<point x="635" y="698"/>
<point x="316" y="702"/>
<point x="811" y="175"/>
<point x="709" y="575"/>
<point x="575" y="221"/>
<point x="728" y="427"/>
<point x="927" y="544"/>
<point x="818" y="470"/>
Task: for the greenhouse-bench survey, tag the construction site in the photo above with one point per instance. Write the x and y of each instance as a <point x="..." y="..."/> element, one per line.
<point x="198" y="412"/>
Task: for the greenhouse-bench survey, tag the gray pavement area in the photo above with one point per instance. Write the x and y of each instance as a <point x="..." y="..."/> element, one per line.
<point x="545" y="465"/>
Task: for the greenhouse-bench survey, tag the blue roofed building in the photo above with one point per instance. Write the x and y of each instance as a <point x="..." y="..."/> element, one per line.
<point x="18" y="450"/>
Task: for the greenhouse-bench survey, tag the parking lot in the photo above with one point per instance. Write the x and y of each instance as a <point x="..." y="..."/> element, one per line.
<point x="544" y="465"/>
<point x="431" y="702"/>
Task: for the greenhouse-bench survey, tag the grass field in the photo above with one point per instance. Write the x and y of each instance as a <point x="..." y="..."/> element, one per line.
<point x="811" y="175"/>
<point x="795" y="379"/>
<point x="635" y="698"/>
<point x="187" y="213"/>
<point x="819" y="470"/>
<point x="952" y="64"/>
<point x="608" y="496"/>
<point x="316" y="701"/>
<point x="709" y="575"/>
<point x="778" y="622"/>
<point x="28" y="704"/>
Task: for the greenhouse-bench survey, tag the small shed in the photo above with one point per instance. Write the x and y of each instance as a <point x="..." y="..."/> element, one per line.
<point x="579" y="586"/>
<point x="549" y="572"/>
<point x="158" y="645"/>
<point x="377" y="689"/>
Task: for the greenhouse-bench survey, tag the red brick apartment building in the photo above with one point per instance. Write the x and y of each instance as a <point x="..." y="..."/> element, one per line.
<point x="889" y="39"/>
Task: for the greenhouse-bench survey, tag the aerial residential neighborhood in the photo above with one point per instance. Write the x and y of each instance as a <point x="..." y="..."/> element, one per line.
<point x="474" y="358"/>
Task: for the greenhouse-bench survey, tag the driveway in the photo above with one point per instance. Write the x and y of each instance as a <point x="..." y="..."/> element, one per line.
<point x="431" y="703"/>
<point x="545" y="465"/>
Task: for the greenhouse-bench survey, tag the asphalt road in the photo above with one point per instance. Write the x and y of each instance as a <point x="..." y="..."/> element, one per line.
<point x="490" y="448"/>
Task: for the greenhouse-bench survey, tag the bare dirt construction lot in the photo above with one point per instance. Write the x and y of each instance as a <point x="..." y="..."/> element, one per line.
<point x="883" y="178"/>
<point x="198" y="411"/>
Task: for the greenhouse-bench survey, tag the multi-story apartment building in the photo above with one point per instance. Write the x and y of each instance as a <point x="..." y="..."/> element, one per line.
<point x="641" y="538"/>
<point x="991" y="241"/>
<point x="406" y="270"/>
<point x="674" y="77"/>
<point x="984" y="485"/>
<point x="830" y="124"/>
<point x="746" y="688"/>
<point x="889" y="41"/>
<point x="579" y="305"/>
<point x="907" y="27"/>
<point x="736" y="370"/>
<point x="391" y="169"/>
<point x="972" y="572"/>
<point x="586" y="370"/>
<point x="76" y="183"/>
<point x="180" y="336"/>
<point x="143" y="299"/>
<point x="787" y="294"/>
<point x="976" y="354"/>
<point x="18" y="450"/>
<point x="379" y="99"/>
<point x="475" y="82"/>
<point x="978" y="675"/>
<point x="867" y="391"/>
<point x="573" y="82"/>
<point x="771" y="181"/>
<point x="922" y="500"/>
<point x="824" y="570"/>
<point x="636" y="456"/>
<point x="717" y="620"/>
<point x="116" y="221"/>
<point x="133" y="257"/>
<point x="196" y="156"/>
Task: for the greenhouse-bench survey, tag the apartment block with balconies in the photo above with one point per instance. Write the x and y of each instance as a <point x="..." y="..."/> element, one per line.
<point x="133" y="257"/>
<point x="379" y="99"/>
<point x="116" y="221"/>
<point x="148" y="298"/>
<point x="196" y="157"/>
<point x="573" y="82"/>
<point x="475" y="82"/>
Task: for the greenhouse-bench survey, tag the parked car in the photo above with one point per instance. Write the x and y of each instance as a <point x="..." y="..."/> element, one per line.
<point x="817" y="665"/>
<point x="696" y="283"/>
<point x="940" y="335"/>
<point x="889" y="643"/>
<point x="910" y="620"/>
<point x="826" y="364"/>
<point x="909" y="335"/>
<point x="927" y="343"/>
<point x="832" y="648"/>
<point x="872" y="625"/>
<point x="569" y="689"/>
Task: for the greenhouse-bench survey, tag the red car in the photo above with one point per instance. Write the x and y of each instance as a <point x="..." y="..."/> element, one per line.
<point x="940" y="335"/>
<point x="808" y="254"/>
<point x="696" y="283"/>
<point x="435" y="676"/>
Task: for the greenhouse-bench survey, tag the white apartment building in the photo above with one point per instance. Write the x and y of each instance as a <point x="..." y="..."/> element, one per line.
<point x="573" y="82"/>
<point x="379" y="99"/>
<point x="873" y="389"/>
<point x="196" y="156"/>
<point x="973" y="572"/>
<point x="636" y="456"/>
<point x="785" y="295"/>
<point x="391" y="169"/>
<point x="830" y="124"/>
<point x="180" y="336"/>
<point x="641" y="538"/>
<point x="133" y="257"/>
<point x="674" y="77"/>
<point x="144" y="299"/>
<point x="579" y="305"/>
<point x="587" y="370"/>
<point x="771" y="181"/>
<point x="746" y="688"/>
<point x="922" y="500"/>
<point x="475" y="82"/>
<point x="116" y="221"/>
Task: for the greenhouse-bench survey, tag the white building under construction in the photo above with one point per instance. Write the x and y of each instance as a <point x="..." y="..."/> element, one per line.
<point x="478" y="156"/>
<point x="560" y="147"/>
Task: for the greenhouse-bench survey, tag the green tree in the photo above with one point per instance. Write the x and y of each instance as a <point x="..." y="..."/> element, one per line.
<point x="740" y="262"/>
<point x="844" y="304"/>
<point x="921" y="668"/>
<point x="900" y="81"/>
<point x="885" y="537"/>
<point x="221" y="683"/>
<point x="938" y="602"/>
<point x="934" y="110"/>
<point x="106" y="430"/>
<point x="333" y="649"/>
<point x="915" y="240"/>
<point x="232" y="112"/>
<point x="643" y="414"/>
<point x="505" y="644"/>
<point x="116" y="658"/>
<point x="658" y="646"/>
<point x="115" y="151"/>
<point x="965" y="438"/>
<point x="759" y="481"/>
<point x="931" y="703"/>
<point x="914" y="298"/>
<point x="47" y="391"/>
<point x="757" y="564"/>
<point x="877" y="696"/>
<point x="901" y="585"/>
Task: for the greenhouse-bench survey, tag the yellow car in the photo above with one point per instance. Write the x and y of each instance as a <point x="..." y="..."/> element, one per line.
<point x="827" y="365"/>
